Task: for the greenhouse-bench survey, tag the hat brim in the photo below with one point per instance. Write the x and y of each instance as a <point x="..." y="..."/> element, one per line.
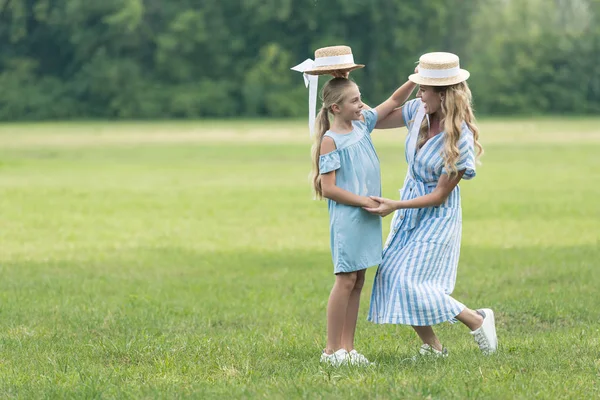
<point x="453" y="80"/>
<point x="328" y="69"/>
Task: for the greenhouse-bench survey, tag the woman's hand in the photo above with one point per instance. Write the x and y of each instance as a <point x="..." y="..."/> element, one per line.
<point x="369" y="203"/>
<point x="341" y="74"/>
<point x="384" y="206"/>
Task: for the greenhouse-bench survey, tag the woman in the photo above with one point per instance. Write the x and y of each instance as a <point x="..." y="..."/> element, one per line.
<point x="420" y="258"/>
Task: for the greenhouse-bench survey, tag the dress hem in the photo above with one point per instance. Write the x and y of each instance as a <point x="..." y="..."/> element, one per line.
<point x="400" y="320"/>
<point x="359" y="268"/>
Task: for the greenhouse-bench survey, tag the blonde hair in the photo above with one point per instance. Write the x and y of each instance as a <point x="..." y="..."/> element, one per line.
<point x="456" y="108"/>
<point x="333" y="92"/>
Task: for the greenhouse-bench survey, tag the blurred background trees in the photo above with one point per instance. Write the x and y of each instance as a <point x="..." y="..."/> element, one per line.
<point x="145" y="59"/>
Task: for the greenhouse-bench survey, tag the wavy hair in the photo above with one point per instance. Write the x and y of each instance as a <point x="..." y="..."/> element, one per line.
<point x="456" y="108"/>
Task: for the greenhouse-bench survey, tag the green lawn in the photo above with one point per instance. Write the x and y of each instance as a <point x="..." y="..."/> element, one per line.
<point x="169" y="260"/>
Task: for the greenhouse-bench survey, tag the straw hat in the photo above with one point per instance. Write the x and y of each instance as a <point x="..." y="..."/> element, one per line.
<point x="327" y="60"/>
<point x="439" y="69"/>
<point x="333" y="58"/>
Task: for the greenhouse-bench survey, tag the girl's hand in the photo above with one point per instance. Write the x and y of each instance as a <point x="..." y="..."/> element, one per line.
<point x="370" y="203"/>
<point x="341" y="74"/>
<point x="384" y="206"/>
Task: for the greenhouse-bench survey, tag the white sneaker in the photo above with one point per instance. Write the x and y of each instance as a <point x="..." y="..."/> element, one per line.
<point x="358" y="359"/>
<point x="485" y="335"/>
<point x="428" y="351"/>
<point x="340" y="357"/>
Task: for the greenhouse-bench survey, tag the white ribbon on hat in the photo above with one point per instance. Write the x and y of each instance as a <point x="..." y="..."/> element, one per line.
<point x="439" y="73"/>
<point x="334" y="60"/>
<point x="312" y="81"/>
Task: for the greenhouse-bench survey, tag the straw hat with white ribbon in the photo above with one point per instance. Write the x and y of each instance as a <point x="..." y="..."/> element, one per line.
<point x="327" y="61"/>
<point x="439" y="69"/>
<point x="331" y="59"/>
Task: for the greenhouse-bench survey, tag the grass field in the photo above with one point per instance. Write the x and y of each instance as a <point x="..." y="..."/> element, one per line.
<point x="169" y="260"/>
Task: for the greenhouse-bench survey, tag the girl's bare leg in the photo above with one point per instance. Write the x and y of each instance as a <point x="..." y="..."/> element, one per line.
<point x="337" y="308"/>
<point x="352" y="312"/>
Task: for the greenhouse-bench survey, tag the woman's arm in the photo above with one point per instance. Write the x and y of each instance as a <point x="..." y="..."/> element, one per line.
<point x="398" y="98"/>
<point x="339" y="195"/>
<point x="393" y="120"/>
<point x="436" y="198"/>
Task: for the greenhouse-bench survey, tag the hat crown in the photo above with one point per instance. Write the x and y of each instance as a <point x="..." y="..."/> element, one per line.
<point x="332" y="58"/>
<point x="439" y="69"/>
<point x="439" y="60"/>
<point x="333" y="51"/>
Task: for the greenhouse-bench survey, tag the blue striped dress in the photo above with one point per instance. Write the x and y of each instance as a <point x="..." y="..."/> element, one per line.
<point x="420" y="258"/>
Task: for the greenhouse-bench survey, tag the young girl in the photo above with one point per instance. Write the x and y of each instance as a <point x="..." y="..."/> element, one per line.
<point x="346" y="172"/>
<point x="414" y="282"/>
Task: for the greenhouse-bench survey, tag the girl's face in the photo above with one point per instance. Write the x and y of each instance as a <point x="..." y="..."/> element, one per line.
<point x="352" y="105"/>
<point x="431" y="98"/>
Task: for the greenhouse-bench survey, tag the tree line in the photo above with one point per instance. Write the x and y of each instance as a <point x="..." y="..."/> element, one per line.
<point x="146" y="59"/>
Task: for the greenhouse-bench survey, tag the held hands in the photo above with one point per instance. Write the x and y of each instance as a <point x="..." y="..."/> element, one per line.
<point x="370" y="203"/>
<point x="382" y="207"/>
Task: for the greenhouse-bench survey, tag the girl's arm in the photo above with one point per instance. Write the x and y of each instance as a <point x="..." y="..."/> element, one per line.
<point x="339" y="195"/>
<point x="436" y="198"/>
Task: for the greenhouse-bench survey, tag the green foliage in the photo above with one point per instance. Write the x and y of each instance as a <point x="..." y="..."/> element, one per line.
<point x="541" y="59"/>
<point x="147" y="59"/>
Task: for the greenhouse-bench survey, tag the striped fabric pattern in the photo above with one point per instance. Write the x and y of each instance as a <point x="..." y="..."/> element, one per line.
<point x="414" y="282"/>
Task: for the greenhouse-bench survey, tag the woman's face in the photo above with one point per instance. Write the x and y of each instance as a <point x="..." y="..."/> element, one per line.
<point x="431" y="98"/>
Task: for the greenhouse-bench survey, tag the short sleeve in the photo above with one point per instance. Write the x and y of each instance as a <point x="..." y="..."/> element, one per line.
<point x="329" y="162"/>
<point x="466" y="159"/>
<point x="370" y="118"/>
<point x="409" y="111"/>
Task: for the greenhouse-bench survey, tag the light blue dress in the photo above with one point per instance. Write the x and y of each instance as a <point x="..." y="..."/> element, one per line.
<point x="355" y="233"/>
<point x="420" y="259"/>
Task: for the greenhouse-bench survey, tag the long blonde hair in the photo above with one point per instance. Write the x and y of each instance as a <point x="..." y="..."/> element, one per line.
<point x="456" y="108"/>
<point x="333" y="92"/>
